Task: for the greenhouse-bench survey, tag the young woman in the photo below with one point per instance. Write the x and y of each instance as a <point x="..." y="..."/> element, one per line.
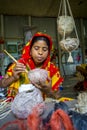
<point x="36" y="54"/>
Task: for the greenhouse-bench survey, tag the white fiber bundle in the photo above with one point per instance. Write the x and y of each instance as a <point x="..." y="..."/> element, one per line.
<point x="24" y="102"/>
<point x="65" y="25"/>
<point x="37" y="75"/>
<point x="82" y="102"/>
<point x="69" y="44"/>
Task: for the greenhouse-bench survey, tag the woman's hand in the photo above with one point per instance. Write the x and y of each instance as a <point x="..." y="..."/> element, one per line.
<point x="19" y="68"/>
<point x="47" y="88"/>
<point x="7" y="80"/>
<point x="43" y="86"/>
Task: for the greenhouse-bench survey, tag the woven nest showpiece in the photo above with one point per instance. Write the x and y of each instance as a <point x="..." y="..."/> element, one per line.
<point x="69" y="44"/>
<point x="37" y="75"/>
<point x="65" y="24"/>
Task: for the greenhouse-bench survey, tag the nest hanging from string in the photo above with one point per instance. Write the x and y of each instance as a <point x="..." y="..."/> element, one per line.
<point x="69" y="44"/>
<point x="66" y="29"/>
<point x="65" y="23"/>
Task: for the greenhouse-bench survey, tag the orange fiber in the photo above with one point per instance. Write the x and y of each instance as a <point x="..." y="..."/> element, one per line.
<point x="60" y="120"/>
<point x="33" y="120"/>
<point x="14" y="125"/>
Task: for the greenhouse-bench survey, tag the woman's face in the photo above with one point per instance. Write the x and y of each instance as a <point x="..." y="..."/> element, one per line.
<point x="39" y="52"/>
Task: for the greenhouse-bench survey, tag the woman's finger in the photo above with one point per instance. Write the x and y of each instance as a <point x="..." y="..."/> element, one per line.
<point x="36" y="85"/>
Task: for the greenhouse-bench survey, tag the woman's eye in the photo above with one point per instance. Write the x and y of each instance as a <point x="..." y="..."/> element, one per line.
<point x="45" y="49"/>
<point x="36" y="47"/>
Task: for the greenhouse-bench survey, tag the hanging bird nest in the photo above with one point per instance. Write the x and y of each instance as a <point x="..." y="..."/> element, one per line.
<point x="65" y="24"/>
<point x="69" y="44"/>
<point x="69" y="40"/>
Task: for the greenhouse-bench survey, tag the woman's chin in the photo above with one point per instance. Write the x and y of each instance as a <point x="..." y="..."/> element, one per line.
<point x="38" y="63"/>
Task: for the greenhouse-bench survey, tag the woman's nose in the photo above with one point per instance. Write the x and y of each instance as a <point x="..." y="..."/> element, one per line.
<point x="40" y="51"/>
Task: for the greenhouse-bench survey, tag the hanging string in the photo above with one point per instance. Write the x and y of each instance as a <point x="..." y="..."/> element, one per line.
<point x="65" y="17"/>
<point x="60" y="8"/>
<point x="70" y="58"/>
<point x="65" y="7"/>
<point x="73" y="21"/>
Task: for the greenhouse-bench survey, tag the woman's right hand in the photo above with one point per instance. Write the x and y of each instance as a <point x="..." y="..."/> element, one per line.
<point x="19" y="68"/>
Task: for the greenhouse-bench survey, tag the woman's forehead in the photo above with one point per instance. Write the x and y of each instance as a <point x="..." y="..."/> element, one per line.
<point x="40" y="43"/>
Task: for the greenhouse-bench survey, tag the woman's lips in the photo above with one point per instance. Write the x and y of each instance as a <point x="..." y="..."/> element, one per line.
<point x="39" y="58"/>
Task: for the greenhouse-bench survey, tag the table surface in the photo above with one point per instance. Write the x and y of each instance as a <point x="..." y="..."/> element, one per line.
<point x="50" y="105"/>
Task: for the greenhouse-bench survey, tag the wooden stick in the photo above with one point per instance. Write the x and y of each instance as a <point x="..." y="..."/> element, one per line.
<point x="10" y="56"/>
<point x="13" y="58"/>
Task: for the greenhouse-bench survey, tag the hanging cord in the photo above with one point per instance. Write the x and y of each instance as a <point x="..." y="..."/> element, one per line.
<point x="5" y="107"/>
<point x="60" y="8"/>
<point x="65" y="3"/>
<point x="70" y="59"/>
<point x="73" y="23"/>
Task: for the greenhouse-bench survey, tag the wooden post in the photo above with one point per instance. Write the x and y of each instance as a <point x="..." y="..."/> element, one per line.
<point x="2" y="30"/>
<point x="82" y="42"/>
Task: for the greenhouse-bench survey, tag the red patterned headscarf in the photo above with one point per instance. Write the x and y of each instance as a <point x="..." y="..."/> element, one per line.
<point x="26" y="52"/>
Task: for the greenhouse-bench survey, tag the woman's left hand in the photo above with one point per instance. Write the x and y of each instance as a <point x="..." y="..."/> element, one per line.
<point x="47" y="88"/>
<point x="43" y="86"/>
